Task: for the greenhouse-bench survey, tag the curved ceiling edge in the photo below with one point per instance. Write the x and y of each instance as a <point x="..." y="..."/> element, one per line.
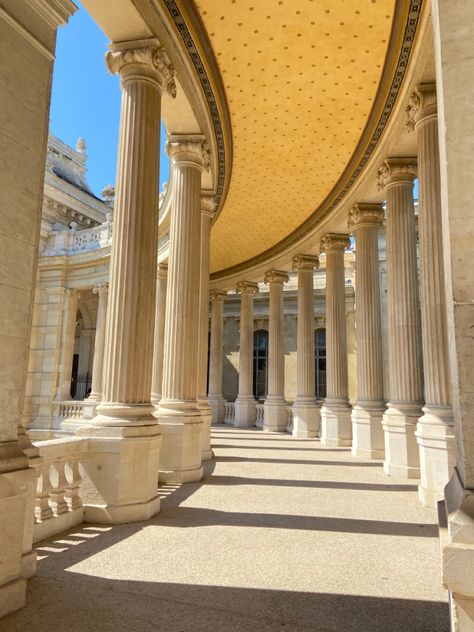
<point x="195" y="42"/>
<point x="404" y="32"/>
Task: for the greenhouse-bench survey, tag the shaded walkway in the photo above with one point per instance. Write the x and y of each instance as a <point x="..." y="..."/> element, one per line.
<point x="284" y="535"/>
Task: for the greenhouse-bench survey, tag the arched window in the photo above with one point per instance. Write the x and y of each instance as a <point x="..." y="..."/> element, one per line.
<point x="260" y="361"/>
<point x="320" y="362"/>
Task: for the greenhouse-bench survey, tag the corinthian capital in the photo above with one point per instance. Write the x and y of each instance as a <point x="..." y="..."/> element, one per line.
<point x="100" y="288"/>
<point x="217" y="296"/>
<point x="305" y="262"/>
<point x="334" y="242"/>
<point x="142" y="59"/>
<point x="422" y="105"/>
<point x="208" y="205"/>
<point x="247" y="287"/>
<point x="189" y="149"/>
<point x="395" y="170"/>
<point x="276" y="276"/>
<point x="365" y="215"/>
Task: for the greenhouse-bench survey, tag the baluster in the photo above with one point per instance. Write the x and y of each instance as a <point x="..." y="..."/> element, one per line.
<point x="59" y="482"/>
<point x="71" y="491"/>
<point x="43" y="510"/>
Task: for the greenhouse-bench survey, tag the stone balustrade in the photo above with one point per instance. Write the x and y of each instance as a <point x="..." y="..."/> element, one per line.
<point x="229" y="413"/>
<point x="260" y="415"/>
<point x="58" y="505"/>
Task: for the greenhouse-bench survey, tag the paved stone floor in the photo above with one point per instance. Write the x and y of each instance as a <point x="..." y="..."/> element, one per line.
<point x="282" y="534"/>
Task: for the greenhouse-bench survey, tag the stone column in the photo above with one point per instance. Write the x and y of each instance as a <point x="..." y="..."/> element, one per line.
<point x="306" y="413"/>
<point x="275" y="408"/>
<point x="454" y="64"/>
<point x="207" y="213"/>
<point x="98" y="367"/>
<point x="245" y="404"/>
<point x="435" y="432"/>
<point x="178" y="413"/>
<point x="404" y="335"/>
<point x="159" y="335"/>
<point x="125" y="438"/>
<point x="336" y="412"/>
<point x="68" y="333"/>
<point x="367" y="432"/>
<point x="216" y="400"/>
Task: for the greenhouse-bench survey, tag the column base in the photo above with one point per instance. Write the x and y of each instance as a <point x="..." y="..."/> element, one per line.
<point x="456" y="517"/>
<point x="367" y="431"/>
<point x="245" y="408"/>
<point x="181" y="452"/>
<point x="17" y="502"/>
<point x="217" y="404"/>
<point x="275" y="414"/>
<point x="401" y="449"/>
<point x="336" y="428"/>
<point x="206" y="417"/>
<point x="437" y="448"/>
<point x="306" y="419"/>
<point x="120" y="470"/>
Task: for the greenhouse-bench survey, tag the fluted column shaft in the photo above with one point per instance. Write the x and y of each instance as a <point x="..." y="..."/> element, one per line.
<point x="159" y="336"/>
<point x="67" y="344"/>
<point x="216" y="357"/>
<point x="367" y="433"/>
<point x="435" y="432"/>
<point x="207" y="212"/>
<point x="131" y="313"/>
<point x="178" y="413"/>
<point x="306" y="417"/>
<point x="335" y="412"/>
<point x="98" y="365"/>
<point x="275" y="417"/>
<point x="245" y="405"/>
<point x="404" y="335"/>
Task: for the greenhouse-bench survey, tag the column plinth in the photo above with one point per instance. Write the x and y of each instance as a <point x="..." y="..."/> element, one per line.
<point x="245" y="404"/>
<point x="207" y="213"/>
<point x="275" y="407"/>
<point x="178" y="413"/>
<point x="404" y="336"/>
<point x="123" y="462"/>
<point x="367" y="413"/>
<point x="215" y="397"/>
<point x="435" y="431"/>
<point x="335" y="412"/>
<point x="306" y="413"/>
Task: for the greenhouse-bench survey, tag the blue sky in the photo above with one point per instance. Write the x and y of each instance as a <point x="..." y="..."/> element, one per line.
<point x="86" y="99"/>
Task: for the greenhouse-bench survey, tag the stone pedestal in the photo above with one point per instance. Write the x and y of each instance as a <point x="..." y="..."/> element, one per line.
<point x="123" y="459"/>
<point x="178" y="413"/>
<point x="404" y="336"/>
<point x="275" y="408"/>
<point x="215" y="397"/>
<point x="207" y="213"/>
<point x="367" y="431"/>
<point x="435" y="431"/>
<point x="306" y="413"/>
<point x="245" y="404"/>
<point x="336" y="413"/>
<point x="159" y="336"/>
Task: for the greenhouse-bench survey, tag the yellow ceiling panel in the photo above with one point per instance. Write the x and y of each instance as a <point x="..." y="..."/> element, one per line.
<point x="300" y="78"/>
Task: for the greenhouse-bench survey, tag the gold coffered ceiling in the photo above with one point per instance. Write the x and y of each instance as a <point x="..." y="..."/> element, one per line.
<point x="300" y="78"/>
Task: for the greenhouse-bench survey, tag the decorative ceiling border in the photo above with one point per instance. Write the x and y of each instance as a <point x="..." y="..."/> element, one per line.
<point x="337" y="193"/>
<point x="190" y="46"/>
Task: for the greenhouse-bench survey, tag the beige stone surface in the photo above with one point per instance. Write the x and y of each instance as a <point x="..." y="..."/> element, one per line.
<point x="281" y="534"/>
